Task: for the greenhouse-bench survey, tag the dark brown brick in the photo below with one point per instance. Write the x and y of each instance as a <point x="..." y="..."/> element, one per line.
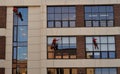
<point x="80" y="16"/>
<point x="2" y="47"/>
<point x="3" y="14"/>
<point x="80" y="47"/>
<point x="117" y="14"/>
<point x="117" y="40"/>
<point x="2" y="70"/>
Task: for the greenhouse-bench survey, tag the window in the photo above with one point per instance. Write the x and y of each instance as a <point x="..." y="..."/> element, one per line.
<point x="2" y="47"/>
<point x="20" y="39"/>
<point x="61" y="16"/>
<point x="61" y="47"/>
<point x="101" y="71"/>
<point x="62" y="71"/>
<point x="104" y="47"/>
<point x="2" y="70"/>
<point x="3" y="15"/>
<point x="99" y="16"/>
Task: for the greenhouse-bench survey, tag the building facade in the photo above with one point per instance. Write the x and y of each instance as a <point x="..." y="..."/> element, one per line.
<point x="60" y="37"/>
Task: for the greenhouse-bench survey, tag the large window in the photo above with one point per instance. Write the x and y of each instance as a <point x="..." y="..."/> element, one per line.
<point x="20" y="40"/>
<point x="61" y="16"/>
<point x="99" y="16"/>
<point x="100" y="47"/>
<point x="61" y="47"/>
<point x="101" y="71"/>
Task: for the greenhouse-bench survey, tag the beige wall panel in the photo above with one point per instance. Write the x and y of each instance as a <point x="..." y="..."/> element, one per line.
<point x="2" y="32"/>
<point x="34" y="48"/>
<point x="9" y="48"/>
<point x="43" y="56"/>
<point x="33" y="64"/>
<point x="84" y="31"/>
<point x="34" y="33"/>
<point x="34" y="56"/>
<point x="34" y="71"/>
<point x="8" y="71"/>
<point x="35" y="25"/>
<point x="86" y="63"/>
<point x="20" y="2"/>
<point x="74" y="2"/>
<point x="34" y="40"/>
<point x="8" y="56"/>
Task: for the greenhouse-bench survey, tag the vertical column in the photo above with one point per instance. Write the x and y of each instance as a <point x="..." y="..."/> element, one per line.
<point x="3" y="13"/>
<point x="117" y="14"/>
<point x="79" y="16"/>
<point x="117" y="40"/>
<point x="80" y="47"/>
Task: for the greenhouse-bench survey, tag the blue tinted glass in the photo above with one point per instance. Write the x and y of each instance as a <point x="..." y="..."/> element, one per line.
<point x="105" y="71"/>
<point x="64" y="9"/>
<point x="51" y="24"/>
<point x="72" y="10"/>
<point x="65" y="23"/>
<point x="22" y="53"/>
<point x="58" y="24"/>
<point x="102" y="8"/>
<point x="22" y="33"/>
<point x="72" y="17"/>
<point x="95" y="9"/>
<point x="111" y="54"/>
<point x="110" y="16"/>
<point x="50" y="10"/>
<point x="72" y="23"/>
<point x="57" y="16"/>
<point x="88" y="16"/>
<point x="50" y="17"/>
<point x="58" y="10"/>
<point x="103" y="16"/>
<point x="104" y="54"/>
<point x="96" y="54"/>
<point x="109" y="8"/>
<point x="88" y="9"/>
<point x="113" y="71"/>
<point x="95" y="16"/>
<point x="97" y="71"/>
<point x="65" y="17"/>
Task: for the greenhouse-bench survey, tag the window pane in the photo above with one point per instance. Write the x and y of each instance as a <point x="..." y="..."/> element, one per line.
<point x="65" y="41"/>
<point x="50" y="16"/>
<point x="102" y="9"/>
<point x="97" y="71"/>
<point x="88" y="9"/>
<point x="50" y="23"/>
<point x="89" y="40"/>
<point x="50" y="10"/>
<point x="111" y="47"/>
<point x="57" y="24"/>
<point x="103" y="23"/>
<point x="89" y="55"/>
<point x="22" y="53"/>
<point x="105" y="71"/>
<point x="103" y="16"/>
<point x="109" y="16"/>
<point x="95" y="9"/>
<point x="103" y="47"/>
<point x="113" y="71"/>
<point x="104" y="54"/>
<point x="103" y="39"/>
<point x="88" y="16"/>
<point x="72" y="10"/>
<point x="111" y="54"/>
<point x="72" y="23"/>
<point x="109" y="9"/>
<point x="64" y="9"/>
<point x="72" y="16"/>
<point x="57" y="16"/>
<point x="95" y="16"/>
<point x="57" y="9"/>
<point x="111" y="40"/>
<point x="64" y="16"/>
<point x="72" y="42"/>
<point x="95" y="23"/>
<point x="65" y="23"/>
<point x="89" y="47"/>
<point x="110" y="23"/>
<point x="88" y="23"/>
<point x="96" y="54"/>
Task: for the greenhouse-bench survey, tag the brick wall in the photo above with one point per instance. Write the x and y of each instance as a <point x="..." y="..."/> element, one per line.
<point x="2" y="70"/>
<point x="3" y="14"/>
<point x="80" y="16"/>
<point x="80" y="47"/>
<point x="117" y="14"/>
<point x="117" y="40"/>
<point x="2" y="47"/>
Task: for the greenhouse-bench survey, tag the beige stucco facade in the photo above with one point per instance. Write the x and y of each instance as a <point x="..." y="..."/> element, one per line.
<point x="38" y="31"/>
